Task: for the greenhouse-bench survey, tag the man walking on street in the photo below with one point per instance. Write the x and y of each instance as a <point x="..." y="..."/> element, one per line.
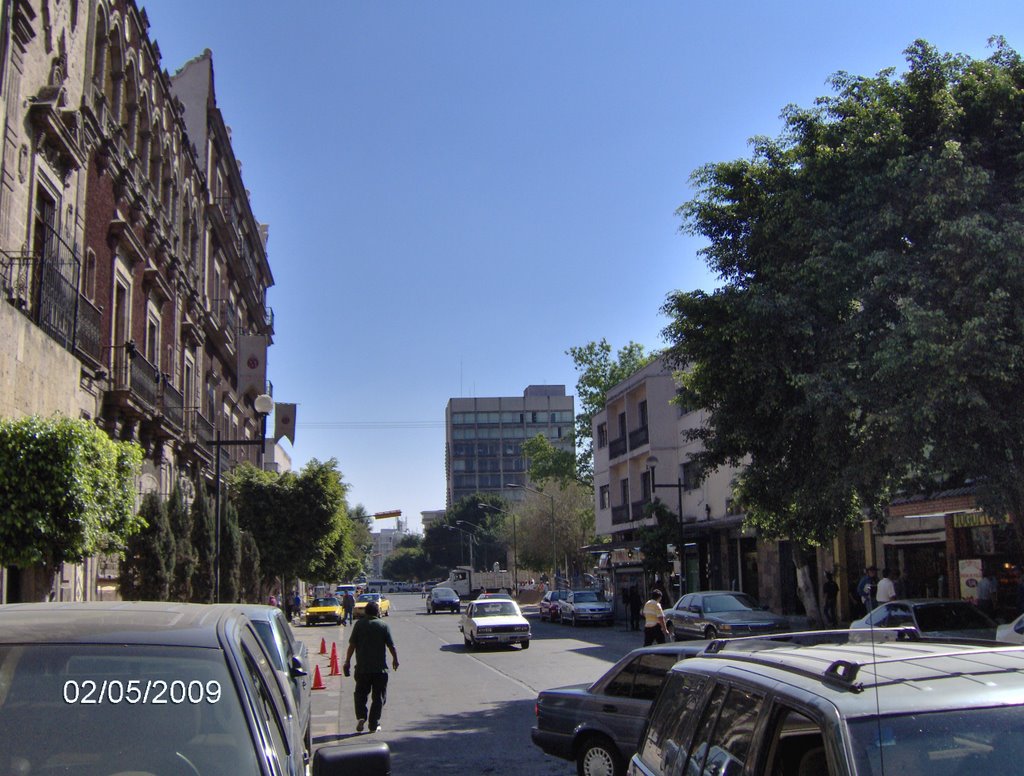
<point x="370" y="636"/>
<point x="348" y="604"/>
<point x="655" y="629"/>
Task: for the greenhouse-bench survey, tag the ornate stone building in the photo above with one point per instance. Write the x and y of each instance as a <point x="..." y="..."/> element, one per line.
<point x="132" y="268"/>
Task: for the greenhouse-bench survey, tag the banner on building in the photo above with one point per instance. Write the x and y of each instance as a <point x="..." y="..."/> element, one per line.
<point x="252" y="364"/>
<point x="284" y="421"/>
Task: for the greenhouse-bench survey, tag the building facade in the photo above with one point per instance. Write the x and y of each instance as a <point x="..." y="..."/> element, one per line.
<point x="484" y="438"/>
<point x="132" y="266"/>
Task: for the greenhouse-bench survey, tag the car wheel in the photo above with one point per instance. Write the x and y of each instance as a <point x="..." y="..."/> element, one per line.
<point x="599" y="757"/>
<point x="711" y="632"/>
<point x="525" y="644"/>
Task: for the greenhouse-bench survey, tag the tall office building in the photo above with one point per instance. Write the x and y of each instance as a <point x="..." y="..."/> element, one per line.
<point x="484" y="438"/>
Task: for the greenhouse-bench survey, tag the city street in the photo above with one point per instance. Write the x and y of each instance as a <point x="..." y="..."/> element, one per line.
<point x="454" y="711"/>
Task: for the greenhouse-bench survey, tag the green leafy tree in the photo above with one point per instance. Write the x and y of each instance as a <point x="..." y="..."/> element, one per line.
<point x="553" y="526"/>
<point x="598" y="371"/>
<point x="204" y="539"/>
<point x="654" y="542"/>
<point x="230" y="555"/>
<point x="546" y="462"/>
<point x="249" y="577"/>
<point x="67" y="492"/>
<point x="409" y="564"/>
<point x="180" y="519"/>
<point x="298" y="521"/>
<point x="147" y="569"/>
<point x="865" y="337"/>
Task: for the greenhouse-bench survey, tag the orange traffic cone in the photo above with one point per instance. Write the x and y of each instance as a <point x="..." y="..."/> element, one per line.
<point x="318" y="683"/>
<point x="323" y="647"/>
<point x="334" y="651"/>
<point x="335" y="668"/>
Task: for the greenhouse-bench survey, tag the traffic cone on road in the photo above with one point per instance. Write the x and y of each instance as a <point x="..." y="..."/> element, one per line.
<point x="318" y="682"/>
<point x="323" y="646"/>
<point x="335" y="669"/>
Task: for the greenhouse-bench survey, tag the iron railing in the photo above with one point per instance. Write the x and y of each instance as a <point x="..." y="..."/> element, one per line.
<point x="172" y="404"/>
<point x="620" y="514"/>
<point x="135" y="374"/>
<point x="617" y="447"/>
<point x="638" y="437"/>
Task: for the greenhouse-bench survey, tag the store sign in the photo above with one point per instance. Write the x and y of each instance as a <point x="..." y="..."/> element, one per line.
<point x="977" y="519"/>
<point x="970" y="579"/>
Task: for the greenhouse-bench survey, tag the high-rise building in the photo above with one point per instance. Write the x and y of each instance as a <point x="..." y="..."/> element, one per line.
<point x="484" y="438"/>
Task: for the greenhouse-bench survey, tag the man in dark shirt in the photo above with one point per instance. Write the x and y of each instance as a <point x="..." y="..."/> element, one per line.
<point x="370" y="636"/>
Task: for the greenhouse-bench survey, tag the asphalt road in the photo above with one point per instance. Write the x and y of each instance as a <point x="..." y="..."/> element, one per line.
<point x="453" y="711"/>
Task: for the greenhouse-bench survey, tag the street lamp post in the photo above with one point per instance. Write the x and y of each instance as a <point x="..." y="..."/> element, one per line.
<point x="515" y="549"/>
<point x="472" y="566"/>
<point x="554" y="557"/>
<point x="652" y="463"/>
<point x="264" y="405"/>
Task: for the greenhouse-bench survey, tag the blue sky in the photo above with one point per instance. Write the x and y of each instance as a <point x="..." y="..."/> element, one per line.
<point x="459" y="192"/>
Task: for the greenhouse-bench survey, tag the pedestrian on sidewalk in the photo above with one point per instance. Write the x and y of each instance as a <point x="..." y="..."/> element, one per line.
<point x="633" y="604"/>
<point x="830" y="594"/>
<point x="655" y="629"/>
<point x="370" y="636"/>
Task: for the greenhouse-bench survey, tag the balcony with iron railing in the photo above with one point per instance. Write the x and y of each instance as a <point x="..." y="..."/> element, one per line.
<point x="133" y="375"/>
<point x="617" y="447"/>
<point x="621" y="515"/>
<point x="172" y="406"/>
<point x="638" y="437"/>
<point x="44" y="287"/>
<point x="637" y="508"/>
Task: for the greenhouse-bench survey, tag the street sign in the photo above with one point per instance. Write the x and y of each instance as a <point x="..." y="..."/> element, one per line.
<point x="385" y="515"/>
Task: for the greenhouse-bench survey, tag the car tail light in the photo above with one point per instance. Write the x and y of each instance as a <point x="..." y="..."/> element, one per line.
<point x="536" y="709"/>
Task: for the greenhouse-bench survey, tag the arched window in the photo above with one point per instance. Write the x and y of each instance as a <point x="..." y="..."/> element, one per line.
<point x="130" y="108"/>
<point x="113" y="75"/>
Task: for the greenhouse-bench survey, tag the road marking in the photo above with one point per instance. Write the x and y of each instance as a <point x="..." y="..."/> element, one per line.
<point x="498" y="671"/>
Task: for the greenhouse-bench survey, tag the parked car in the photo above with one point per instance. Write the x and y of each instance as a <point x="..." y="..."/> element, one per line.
<point x="585" y="606"/>
<point x="1011" y="632"/>
<point x="382" y="602"/>
<point x="289" y="656"/>
<point x="598" y="725"/>
<point x="494" y="622"/>
<point x="150" y="688"/>
<point x="713" y="613"/>
<point x="549" y="604"/>
<point x="932" y="617"/>
<point x="443" y="598"/>
<point x="325" y="610"/>
<point x="872" y="703"/>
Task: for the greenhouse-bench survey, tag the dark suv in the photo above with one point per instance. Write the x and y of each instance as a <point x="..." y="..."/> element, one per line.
<point x="881" y="704"/>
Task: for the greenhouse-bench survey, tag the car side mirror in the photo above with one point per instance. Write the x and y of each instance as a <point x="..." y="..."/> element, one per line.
<point x="296" y="668"/>
<point x="364" y="759"/>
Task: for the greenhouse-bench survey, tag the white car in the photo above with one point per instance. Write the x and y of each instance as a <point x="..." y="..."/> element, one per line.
<point x="585" y="606"/>
<point x="1011" y="632"/>
<point x="494" y="621"/>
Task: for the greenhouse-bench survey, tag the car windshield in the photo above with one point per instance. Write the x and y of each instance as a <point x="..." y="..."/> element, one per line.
<point x="587" y="597"/>
<point x="951" y="616"/>
<point x="443" y="592"/>
<point x="728" y="603"/>
<point x="982" y="740"/>
<point x="495" y="609"/>
<point x="367" y="597"/>
<point x="119" y="709"/>
<point x="326" y="602"/>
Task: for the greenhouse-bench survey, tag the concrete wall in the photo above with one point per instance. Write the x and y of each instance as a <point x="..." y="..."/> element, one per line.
<point x="39" y="376"/>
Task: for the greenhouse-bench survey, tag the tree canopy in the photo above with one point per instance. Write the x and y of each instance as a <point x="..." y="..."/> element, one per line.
<point x="598" y="371"/>
<point x="868" y="335"/>
<point x="299" y="522"/>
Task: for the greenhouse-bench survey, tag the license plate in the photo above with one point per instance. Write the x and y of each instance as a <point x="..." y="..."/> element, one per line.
<point x="505" y="639"/>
